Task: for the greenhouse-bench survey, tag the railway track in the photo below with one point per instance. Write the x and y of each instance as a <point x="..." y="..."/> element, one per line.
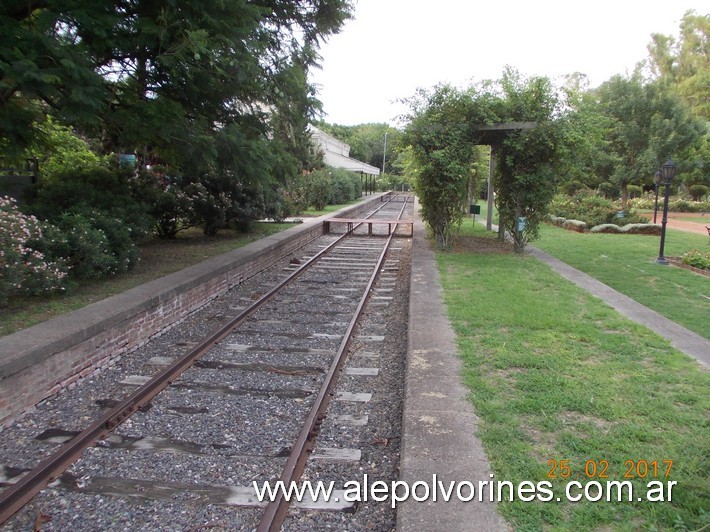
<point x="220" y="408"/>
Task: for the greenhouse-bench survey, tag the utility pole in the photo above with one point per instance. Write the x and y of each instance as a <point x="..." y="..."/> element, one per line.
<point x="384" y="155"/>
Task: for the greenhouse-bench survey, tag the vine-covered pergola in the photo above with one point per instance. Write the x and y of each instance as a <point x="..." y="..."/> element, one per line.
<point x="493" y="135"/>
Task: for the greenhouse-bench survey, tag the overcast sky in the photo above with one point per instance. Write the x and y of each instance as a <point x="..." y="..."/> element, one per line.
<point x="392" y="47"/>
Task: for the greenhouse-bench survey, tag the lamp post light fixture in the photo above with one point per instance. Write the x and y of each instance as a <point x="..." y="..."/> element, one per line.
<point x="667" y="173"/>
<point x="657" y="181"/>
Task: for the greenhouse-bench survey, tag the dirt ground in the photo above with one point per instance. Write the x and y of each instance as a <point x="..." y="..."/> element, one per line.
<point x="675" y="221"/>
<point x="478" y="244"/>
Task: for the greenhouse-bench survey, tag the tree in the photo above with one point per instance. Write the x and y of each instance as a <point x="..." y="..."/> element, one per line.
<point x="685" y="63"/>
<point x="162" y="78"/>
<point x="649" y="125"/>
<point x="584" y="153"/>
<point x="46" y="61"/>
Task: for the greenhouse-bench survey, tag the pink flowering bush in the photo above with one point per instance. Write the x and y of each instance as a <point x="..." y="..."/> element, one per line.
<point x="24" y="270"/>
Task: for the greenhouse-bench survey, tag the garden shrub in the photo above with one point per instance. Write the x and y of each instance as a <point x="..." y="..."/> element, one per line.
<point x="592" y="209"/>
<point x="221" y="199"/>
<point x="575" y="225"/>
<point x="104" y="189"/>
<point x="641" y="229"/>
<point x="634" y="191"/>
<point x="167" y="205"/>
<point x="24" y="269"/>
<point x="210" y="209"/>
<point x="318" y="189"/>
<point x="697" y="259"/>
<point x="675" y="204"/>
<point x="690" y="206"/>
<point x="278" y="205"/>
<point x="609" y="190"/>
<point x="560" y="204"/>
<point x="64" y="152"/>
<point x="97" y="244"/>
<point x="679" y="205"/>
<point x="247" y="204"/>
<point x="346" y="186"/>
<point x="698" y="192"/>
<point x="606" y="228"/>
<point x="572" y="187"/>
<point x="596" y="210"/>
<point x="342" y="188"/>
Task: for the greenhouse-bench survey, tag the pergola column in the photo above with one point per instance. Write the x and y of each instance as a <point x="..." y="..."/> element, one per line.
<point x="491" y="170"/>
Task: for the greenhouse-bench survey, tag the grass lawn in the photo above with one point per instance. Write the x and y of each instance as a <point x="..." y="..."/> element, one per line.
<point x="627" y="264"/>
<point x="556" y="375"/>
<point x="328" y="209"/>
<point x="158" y="258"/>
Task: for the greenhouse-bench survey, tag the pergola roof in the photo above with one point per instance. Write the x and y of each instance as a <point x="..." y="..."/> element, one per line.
<point x="494" y="134"/>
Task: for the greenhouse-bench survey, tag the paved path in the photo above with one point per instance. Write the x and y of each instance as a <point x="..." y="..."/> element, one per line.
<point x="689" y="227"/>
<point x="440" y="424"/>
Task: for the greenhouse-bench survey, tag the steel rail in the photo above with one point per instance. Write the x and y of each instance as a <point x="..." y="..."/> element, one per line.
<point x="24" y="490"/>
<point x="275" y="512"/>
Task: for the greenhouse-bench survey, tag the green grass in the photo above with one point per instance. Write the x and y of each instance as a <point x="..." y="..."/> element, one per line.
<point x="627" y="264"/>
<point x="555" y="374"/>
<point x="329" y="208"/>
<point x="484" y="212"/>
<point x="158" y="258"/>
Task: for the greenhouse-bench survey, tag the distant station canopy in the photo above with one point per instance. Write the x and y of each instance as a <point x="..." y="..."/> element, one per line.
<point x="337" y="154"/>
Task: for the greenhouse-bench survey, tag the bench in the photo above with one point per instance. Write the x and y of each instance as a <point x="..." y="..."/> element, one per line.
<point x="369" y="221"/>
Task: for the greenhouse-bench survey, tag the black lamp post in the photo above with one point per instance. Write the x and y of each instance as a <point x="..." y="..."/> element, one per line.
<point x="657" y="180"/>
<point x="667" y="173"/>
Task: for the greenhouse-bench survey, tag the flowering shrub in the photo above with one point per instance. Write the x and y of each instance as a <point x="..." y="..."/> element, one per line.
<point x="23" y="268"/>
<point x="697" y="259"/>
<point x="97" y="245"/>
<point x="592" y="209"/>
<point x="318" y="188"/>
<point x="675" y="204"/>
<point x="211" y="209"/>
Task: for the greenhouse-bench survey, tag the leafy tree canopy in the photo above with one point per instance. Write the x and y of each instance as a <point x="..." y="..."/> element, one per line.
<point x="649" y="124"/>
<point x="441" y="141"/>
<point x="166" y="78"/>
<point x="685" y="62"/>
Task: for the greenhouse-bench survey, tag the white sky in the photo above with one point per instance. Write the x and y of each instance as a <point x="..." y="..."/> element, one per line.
<point x="392" y="47"/>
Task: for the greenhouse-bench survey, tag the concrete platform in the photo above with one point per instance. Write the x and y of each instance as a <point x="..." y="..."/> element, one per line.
<point x="439" y="425"/>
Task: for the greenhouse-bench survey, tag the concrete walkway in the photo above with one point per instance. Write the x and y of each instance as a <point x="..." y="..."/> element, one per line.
<point x="440" y="424"/>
